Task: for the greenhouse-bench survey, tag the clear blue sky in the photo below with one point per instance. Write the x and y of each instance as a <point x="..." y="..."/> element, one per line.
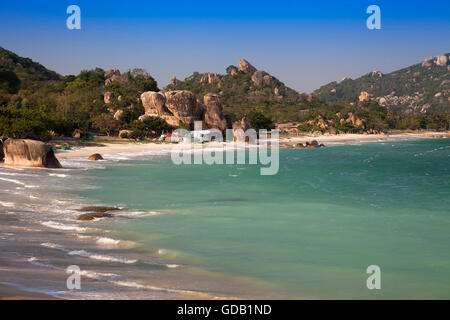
<point x="304" y="43"/>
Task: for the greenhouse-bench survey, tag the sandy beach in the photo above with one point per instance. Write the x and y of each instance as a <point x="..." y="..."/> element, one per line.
<point x="132" y="147"/>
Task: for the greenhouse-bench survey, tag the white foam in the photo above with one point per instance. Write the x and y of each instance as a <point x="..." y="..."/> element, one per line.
<point x="65" y="227"/>
<point x="53" y="246"/>
<point x="7" y="204"/>
<point x="107" y="241"/>
<point x="59" y="175"/>
<point x="97" y="275"/>
<point x="100" y="257"/>
<point x="138" y="214"/>
<point x="18" y="182"/>
<point x="35" y="261"/>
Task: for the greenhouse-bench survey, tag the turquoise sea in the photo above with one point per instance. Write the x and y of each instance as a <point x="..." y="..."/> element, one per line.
<point x="310" y="231"/>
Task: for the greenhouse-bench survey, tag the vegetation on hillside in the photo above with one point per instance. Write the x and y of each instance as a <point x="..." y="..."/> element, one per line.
<point x="38" y="101"/>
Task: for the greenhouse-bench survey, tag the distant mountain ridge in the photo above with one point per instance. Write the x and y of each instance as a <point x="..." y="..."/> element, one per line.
<point x="418" y="88"/>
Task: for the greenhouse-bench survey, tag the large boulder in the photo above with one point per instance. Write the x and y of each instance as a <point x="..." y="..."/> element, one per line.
<point x="246" y="67"/>
<point x="154" y="103"/>
<point x="258" y="78"/>
<point x="182" y="105"/>
<point x="29" y="153"/>
<point x="213" y="117"/>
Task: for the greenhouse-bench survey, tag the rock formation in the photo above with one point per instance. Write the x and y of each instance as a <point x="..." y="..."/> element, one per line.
<point x="246" y="67"/>
<point x="107" y="97"/>
<point x="442" y="60"/>
<point x="428" y="62"/>
<point x="112" y="75"/>
<point x="29" y="153"/>
<point x="364" y="96"/>
<point x="213" y="117"/>
<point x="181" y="106"/>
<point x="118" y="114"/>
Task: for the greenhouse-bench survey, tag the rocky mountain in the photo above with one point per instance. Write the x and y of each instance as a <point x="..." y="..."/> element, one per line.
<point x="415" y="89"/>
<point x="242" y="89"/>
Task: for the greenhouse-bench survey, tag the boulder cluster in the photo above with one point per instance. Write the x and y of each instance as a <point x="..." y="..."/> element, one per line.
<point x="441" y="60"/>
<point x="179" y="107"/>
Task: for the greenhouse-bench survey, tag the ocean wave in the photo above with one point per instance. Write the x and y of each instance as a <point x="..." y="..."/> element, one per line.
<point x="18" y="182"/>
<point x="100" y="257"/>
<point x="53" y="246"/>
<point x="107" y="241"/>
<point x="35" y="261"/>
<point x="59" y="175"/>
<point x="7" y="204"/>
<point x="137" y="214"/>
<point x="65" y="227"/>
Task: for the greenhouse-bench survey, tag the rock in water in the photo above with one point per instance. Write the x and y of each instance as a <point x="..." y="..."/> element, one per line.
<point x="95" y="157"/>
<point x="93" y="215"/>
<point x="29" y="153"/>
<point x="98" y="209"/>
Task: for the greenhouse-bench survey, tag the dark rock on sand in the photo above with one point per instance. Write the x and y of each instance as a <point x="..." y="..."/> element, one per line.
<point x="29" y="153"/>
<point x="299" y="145"/>
<point x="95" y="157"/>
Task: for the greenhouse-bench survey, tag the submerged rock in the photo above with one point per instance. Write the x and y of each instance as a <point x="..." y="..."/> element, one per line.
<point x="94" y="215"/>
<point x="29" y="153"/>
<point x="98" y="209"/>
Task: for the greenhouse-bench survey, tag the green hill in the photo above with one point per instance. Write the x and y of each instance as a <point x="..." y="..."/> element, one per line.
<point x="244" y="89"/>
<point x="25" y="68"/>
<point x="418" y="88"/>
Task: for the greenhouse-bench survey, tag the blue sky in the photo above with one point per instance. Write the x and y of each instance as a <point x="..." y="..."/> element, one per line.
<point x="303" y="43"/>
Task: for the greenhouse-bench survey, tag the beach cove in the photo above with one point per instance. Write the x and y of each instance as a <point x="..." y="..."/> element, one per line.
<point x="226" y="232"/>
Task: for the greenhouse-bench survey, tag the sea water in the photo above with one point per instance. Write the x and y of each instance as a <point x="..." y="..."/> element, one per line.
<point x="312" y="230"/>
<point x="201" y="231"/>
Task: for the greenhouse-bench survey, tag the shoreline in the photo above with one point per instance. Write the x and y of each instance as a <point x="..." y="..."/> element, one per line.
<point x="136" y="147"/>
<point x="14" y="292"/>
